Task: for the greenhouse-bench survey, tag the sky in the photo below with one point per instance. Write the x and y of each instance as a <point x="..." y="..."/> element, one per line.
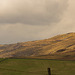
<point x="29" y="20"/>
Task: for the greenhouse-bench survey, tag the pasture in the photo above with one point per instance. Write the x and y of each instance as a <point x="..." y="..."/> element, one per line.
<point x="36" y="67"/>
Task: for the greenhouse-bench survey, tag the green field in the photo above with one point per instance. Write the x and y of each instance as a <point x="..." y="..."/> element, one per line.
<point x="36" y="67"/>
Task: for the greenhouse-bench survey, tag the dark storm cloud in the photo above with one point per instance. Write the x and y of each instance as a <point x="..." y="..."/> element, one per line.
<point x="32" y="12"/>
<point x="27" y="20"/>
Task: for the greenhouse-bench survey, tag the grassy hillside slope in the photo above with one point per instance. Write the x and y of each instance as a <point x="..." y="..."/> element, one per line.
<point x="58" y="47"/>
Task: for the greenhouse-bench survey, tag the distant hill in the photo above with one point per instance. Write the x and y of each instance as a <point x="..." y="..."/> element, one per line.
<point x="57" y="47"/>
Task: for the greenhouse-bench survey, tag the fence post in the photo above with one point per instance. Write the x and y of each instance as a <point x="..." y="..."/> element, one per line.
<point x="49" y="71"/>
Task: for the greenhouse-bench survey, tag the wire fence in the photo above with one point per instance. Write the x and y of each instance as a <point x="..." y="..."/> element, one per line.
<point x="48" y="72"/>
<point x="20" y="71"/>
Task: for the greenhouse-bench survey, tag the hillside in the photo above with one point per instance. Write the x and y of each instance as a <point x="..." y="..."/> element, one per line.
<point x="58" y="47"/>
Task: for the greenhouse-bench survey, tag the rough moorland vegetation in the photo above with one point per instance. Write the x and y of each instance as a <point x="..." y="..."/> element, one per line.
<point x="57" y="47"/>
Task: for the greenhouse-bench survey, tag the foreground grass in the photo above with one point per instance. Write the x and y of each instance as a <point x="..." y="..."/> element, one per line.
<point x="36" y="67"/>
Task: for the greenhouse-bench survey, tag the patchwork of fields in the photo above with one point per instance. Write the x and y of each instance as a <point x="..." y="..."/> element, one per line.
<point x="36" y="67"/>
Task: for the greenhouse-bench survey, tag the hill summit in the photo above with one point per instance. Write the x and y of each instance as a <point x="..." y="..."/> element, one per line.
<point x="57" y="47"/>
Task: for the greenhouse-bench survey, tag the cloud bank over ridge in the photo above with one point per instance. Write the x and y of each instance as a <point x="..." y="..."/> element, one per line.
<point x="31" y="12"/>
<point x="27" y="20"/>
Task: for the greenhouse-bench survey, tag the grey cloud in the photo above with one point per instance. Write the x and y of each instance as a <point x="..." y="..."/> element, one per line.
<point x="20" y="33"/>
<point x="32" y="12"/>
<point x="14" y="25"/>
